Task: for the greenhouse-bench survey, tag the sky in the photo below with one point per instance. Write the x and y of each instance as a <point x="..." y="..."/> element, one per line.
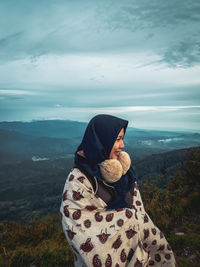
<point x="135" y="59"/>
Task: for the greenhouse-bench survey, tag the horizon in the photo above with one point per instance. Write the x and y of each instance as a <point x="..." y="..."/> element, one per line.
<point x="129" y="126"/>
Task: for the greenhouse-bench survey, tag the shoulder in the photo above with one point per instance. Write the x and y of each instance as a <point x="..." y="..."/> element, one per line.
<point x="79" y="193"/>
<point x="76" y="178"/>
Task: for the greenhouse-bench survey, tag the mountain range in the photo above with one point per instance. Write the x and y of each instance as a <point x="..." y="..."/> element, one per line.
<point x="57" y="139"/>
<point x="37" y="156"/>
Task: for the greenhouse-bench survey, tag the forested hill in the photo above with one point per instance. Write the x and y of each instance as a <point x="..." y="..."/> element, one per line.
<point x="34" y="187"/>
<point x="175" y="210"/>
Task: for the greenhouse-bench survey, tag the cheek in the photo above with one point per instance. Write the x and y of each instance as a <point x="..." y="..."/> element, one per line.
<point x="116" y="145"/>
<point x="113" y="150"/>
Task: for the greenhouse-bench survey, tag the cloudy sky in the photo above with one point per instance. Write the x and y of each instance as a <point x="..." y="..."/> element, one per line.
<point x="72" y="59"/>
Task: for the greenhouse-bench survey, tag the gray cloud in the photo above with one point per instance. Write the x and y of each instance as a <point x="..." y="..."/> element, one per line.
<point x="11" y="47"/>
<point x="152" y="14"/>
<point x="114" y="97"/>
<point x="175" y="107"/>
<point x="169" y="29"/>
<point x="184" y="54"/>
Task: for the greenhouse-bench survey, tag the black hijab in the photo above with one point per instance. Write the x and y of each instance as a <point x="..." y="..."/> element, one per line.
<point x="99" y="138"/>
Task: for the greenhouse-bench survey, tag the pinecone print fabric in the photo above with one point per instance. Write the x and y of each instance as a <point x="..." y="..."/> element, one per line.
<point x="123" y="237"/>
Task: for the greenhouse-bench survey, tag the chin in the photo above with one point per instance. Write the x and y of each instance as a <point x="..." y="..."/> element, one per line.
<point x="114" y="156"/>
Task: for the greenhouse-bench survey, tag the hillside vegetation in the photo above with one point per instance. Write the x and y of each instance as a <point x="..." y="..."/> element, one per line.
<point x="33" y="188"/>
<point x="174" y="209"/>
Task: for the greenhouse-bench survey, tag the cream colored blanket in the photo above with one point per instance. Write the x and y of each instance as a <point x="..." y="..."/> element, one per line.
<point x="124" y="237"/>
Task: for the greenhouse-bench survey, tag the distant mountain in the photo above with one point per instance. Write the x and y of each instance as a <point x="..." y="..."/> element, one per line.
<point x="57" y="139"/>
<point x="16" y="147"/>
<point x="47" y="128"/>
<point x="141" y="143"/>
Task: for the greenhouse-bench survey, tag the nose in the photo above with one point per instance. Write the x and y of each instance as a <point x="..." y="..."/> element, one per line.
<point x="122" y="144"/>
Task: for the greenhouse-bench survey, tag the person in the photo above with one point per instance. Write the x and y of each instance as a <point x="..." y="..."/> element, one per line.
<point x="103" y="216"/>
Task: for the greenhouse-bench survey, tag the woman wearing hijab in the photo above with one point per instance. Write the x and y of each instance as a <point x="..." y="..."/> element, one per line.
<point x="103" y="216"/>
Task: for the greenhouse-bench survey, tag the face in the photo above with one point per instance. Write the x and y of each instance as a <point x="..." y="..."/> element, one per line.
<point x="118" y="146"/>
